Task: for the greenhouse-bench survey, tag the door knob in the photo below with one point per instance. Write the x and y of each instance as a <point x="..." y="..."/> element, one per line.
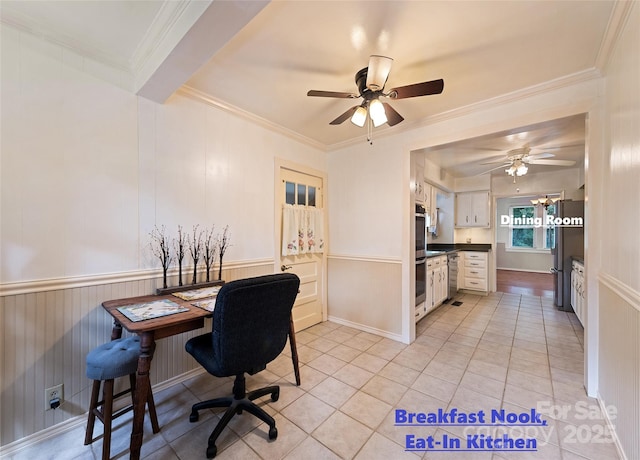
<point x="285" y="267"/>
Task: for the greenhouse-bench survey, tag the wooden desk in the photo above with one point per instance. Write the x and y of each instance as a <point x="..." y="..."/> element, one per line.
<point x="151" y="330"/>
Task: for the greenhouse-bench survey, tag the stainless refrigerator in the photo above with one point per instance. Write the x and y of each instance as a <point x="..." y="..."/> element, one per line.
<point x="569" y="241"/>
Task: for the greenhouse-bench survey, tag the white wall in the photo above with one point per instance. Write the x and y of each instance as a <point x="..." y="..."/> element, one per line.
<point x="87" y="171"/>
<point x="616" y="287"/>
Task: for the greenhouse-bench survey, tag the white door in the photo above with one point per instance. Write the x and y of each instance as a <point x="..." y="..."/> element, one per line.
<point x="297" y="188"/>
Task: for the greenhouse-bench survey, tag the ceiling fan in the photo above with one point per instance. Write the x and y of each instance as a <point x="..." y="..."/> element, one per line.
<point x="516" y="161"/>
<point x="370" y="82"/>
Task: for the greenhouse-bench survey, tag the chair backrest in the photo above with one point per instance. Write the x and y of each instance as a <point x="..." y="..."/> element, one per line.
<point x="251" y="322"/>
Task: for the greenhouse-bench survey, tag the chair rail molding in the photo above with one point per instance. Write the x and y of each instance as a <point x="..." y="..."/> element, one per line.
<point x="54" y="284"/>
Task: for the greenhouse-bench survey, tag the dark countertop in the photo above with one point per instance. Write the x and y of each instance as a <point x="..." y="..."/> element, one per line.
<point x="451" y="247"/>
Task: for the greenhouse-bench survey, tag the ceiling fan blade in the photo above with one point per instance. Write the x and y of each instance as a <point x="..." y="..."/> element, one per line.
<point x="348" y="114"/>
<point x="539" y="156"/>
<point x="393" y="117"/>
<point x="316" y="93"/>
<point x="493" y="169"/>
<point x="378" y="72"/>
<point x="558" y="147"/>
<point x="552" y="162"/>
<point x="418" y="89"/>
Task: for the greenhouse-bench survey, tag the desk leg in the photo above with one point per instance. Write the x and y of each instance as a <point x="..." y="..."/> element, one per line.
<point x="294" y="351"/>
<point x="147" y="346"/>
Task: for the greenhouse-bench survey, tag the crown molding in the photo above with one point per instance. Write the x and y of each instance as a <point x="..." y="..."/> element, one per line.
<point x="161" y="27"/>
<point x="27" y="24"/>
<point x="200" y="96"/>
<point x="617" y="21"/>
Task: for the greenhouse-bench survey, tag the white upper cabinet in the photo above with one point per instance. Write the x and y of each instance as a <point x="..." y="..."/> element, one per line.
<point x="419" y="181"/>
<point x="473" y="209"/>
<point x="427" y="196"/>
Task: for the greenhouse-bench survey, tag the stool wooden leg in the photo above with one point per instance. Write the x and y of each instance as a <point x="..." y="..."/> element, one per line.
<point x="150" y="404"/>
<point x="93" y="404"/>
<point x="152" y="411"/>
<point x="107" y="411"/>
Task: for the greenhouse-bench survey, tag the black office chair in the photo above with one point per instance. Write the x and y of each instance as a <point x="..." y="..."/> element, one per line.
<point x="250" y="329"/>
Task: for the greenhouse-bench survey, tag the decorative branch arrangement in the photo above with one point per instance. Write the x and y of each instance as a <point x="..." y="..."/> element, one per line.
<point x="201" y="244"/>
<point x="223" y="244"/>
<point x="210" y="250"/>
<point x="179" y="245"/>
<point x="195" y="247"/>
<point x="160" y="248"/>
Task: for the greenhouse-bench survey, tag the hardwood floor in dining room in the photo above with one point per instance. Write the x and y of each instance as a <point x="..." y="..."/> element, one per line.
<point x="528" y="283"/>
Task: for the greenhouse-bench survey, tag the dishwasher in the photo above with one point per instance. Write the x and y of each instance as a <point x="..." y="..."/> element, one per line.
<point x="452" y="262"/>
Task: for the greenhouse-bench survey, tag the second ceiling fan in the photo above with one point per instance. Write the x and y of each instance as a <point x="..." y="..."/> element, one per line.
<point x="370" y="82"/>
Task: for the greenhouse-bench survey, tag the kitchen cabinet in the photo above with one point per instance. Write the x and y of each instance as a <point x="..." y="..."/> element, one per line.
<point x="578" y="289"/>
<point x="421" y="311"/>
<point x="427" y="196"/>
<point x="418" y="179"/>
<point x="473" y="209"/>
<point x="430" y="203"/>
<point x="437" y="281"/>
<point x="473" y="273"/>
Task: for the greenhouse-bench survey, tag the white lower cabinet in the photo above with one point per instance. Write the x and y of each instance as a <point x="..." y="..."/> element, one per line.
<point x="578" y="289"/>
<point x="473" y="273"/>
<point x="437" y="281"/>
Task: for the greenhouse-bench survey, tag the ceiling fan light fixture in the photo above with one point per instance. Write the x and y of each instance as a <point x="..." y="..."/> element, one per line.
<point x="377" y="113"/>
<point x="378" y="72"/>
<point x="359" y="117"/>
<point x="522" y="169"/>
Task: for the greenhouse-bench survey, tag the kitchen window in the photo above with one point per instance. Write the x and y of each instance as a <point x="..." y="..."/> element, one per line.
<point x="533" y="235"/>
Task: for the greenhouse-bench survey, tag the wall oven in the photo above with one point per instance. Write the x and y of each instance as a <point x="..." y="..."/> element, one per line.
<point x="421" y="231"/>
<point x="421" y="281"/>
<point x="421" y="261"/>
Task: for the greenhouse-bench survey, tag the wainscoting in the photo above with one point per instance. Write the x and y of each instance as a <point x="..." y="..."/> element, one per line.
<point x="46" y="334"/>
<point x="619" y="349"/>
<point x="366" y="293"/>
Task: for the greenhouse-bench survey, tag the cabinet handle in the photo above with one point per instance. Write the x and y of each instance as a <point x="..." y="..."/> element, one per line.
<point x="472" y="282"/>
<point x="417" y="314"/>
<point x="475" y="273"/>
<point x="467" y="217"/>
<point x="475" y="218"/>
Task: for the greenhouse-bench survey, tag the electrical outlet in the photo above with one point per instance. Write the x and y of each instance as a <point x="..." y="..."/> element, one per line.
<point x="53" y="396"/>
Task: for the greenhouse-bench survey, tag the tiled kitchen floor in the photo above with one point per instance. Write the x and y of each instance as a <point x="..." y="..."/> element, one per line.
<point x="504" y="351"/>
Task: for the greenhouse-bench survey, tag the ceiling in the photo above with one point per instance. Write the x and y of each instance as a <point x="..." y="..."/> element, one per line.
<point x="564" y="138"/>
<point x="282" y="49"/>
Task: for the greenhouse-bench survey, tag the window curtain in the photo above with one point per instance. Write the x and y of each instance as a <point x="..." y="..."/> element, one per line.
<point x="302" y="230"/>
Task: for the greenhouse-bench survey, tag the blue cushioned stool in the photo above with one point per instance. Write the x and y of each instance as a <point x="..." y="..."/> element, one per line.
<point x="107" y="362"/>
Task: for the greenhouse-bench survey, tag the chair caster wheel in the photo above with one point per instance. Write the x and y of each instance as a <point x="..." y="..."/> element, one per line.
<point x="212" y="451"/>
<point x="273" y="433"/>
<point x="275" y="396"/>
<point x="193" y="417"/>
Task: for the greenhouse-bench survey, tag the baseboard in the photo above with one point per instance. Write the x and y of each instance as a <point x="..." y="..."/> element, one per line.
<point x="369" y="329"/>
<point x="79" y="420"/>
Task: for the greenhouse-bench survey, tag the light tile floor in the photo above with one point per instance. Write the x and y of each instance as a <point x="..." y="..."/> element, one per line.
<point x="504" y="351"/>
